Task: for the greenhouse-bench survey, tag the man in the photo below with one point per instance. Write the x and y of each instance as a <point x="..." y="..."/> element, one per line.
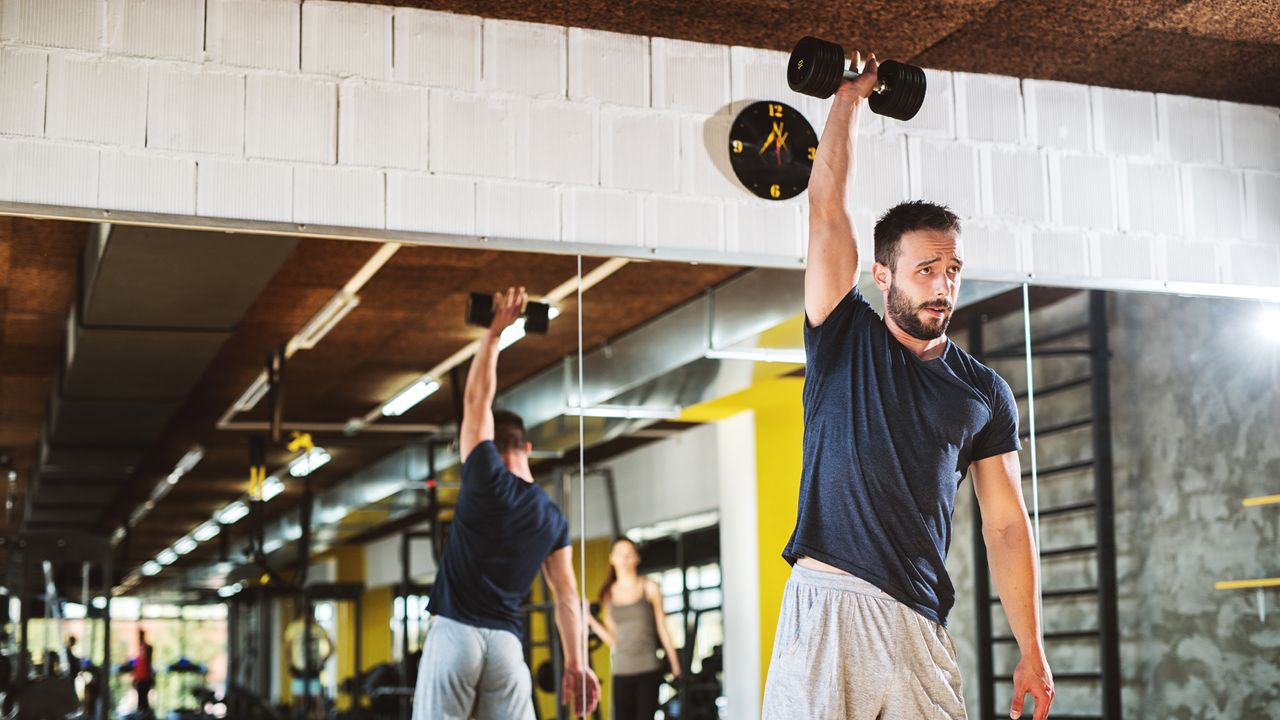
<point x="504" y="528"/>
<point x="144" y="677"/>
<point x="895" y="414"/>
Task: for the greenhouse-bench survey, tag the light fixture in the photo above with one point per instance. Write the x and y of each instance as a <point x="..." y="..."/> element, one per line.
<point x="151" y="567"/>
<point x="229" y="590"/>
<point x="512" y="335"/>
<point x="184" y="546"/>
<point x="410" y="396"/>
<point x="253" y="393"/>
<point x="626" y="412"/>
<point x="271" y="488"/>
<point x="189" y="461"/>
<point x="232" y="513"/>
<point x="100" y="602"/>
<point x="309" y="462"/>
<point x="206" y="532"/>
<point x="779" y="355"/>
<point x="329" y="316"/>
<point x="167" y="557"/>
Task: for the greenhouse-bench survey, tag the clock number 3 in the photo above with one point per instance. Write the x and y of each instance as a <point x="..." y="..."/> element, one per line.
<point x="813" y="152"/>
<point x="775" y="111"/>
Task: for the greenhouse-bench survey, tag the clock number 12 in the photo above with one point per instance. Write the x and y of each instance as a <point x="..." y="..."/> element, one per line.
<point x="775" y="110"/>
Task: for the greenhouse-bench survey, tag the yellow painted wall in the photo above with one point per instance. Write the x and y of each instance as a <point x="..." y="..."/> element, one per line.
<point x="597" y="556"/>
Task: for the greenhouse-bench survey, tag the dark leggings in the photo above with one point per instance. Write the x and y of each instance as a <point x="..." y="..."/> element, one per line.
<point x="635" y="697"/>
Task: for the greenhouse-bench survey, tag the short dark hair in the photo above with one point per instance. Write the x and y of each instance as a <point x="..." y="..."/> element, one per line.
<point x="904" y="218"/>
<point x="508" y="431"/>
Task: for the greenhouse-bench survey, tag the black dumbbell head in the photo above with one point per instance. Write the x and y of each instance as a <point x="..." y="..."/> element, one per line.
<point x="537" y="318"/>
<point x="816" y="67"/>
<point x="480" y="310"/>
<point x="904" y="90"/>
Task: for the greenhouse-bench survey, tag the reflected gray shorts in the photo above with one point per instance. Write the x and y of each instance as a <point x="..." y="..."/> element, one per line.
<point x="470" y="672"/>
<point x="846" y="649"/>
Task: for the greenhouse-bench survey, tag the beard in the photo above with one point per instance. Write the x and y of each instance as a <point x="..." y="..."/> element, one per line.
<point x="907" y="315"/>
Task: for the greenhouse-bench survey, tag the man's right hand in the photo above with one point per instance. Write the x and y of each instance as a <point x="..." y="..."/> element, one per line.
<point x="861" y="86"/>
<point x="507" y="307"/>
<point x="575" y="677"/>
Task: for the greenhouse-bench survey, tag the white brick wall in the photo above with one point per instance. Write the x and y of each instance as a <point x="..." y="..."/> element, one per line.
<point x="339" y="196"/>
<point x="1057" y="114"/>
<point x="991" y="249"/>
<point x="73" y="24"/>
<point x="438" y="49"/>
<point x="761" y="228"/>
<point x="1083" y="191"/>
<point x="526" y="58"/>
<point x="147" y="183"/>
<point x="246" y="190"/>
<point x="1254" y="264"/>
<point x="471" y="134"/>
<point x="682" y="223"/>
<point x="639" y="150"/>
<point x="22" y="91"/>
<point x="601" y="217"/>
<point x="1060" y="253"/>
<point x="1251" y="136"/>
<point x="1149" y="198"/>
<point x="1124" y="256"/>
<point x="1191" y="261"/>
<point x="291" y="118"/>
<point x="881" y="180"/>
<point x="690" y="76"/>
<point x="1189" y="128"/>
<point x="517" y="210"/>
<point x="608" y="67"/>
<point x="1124" y="121"/>
<point x="1014" y="183"/>
<point x="383" y="125"/>
<point x="561" y="142"/>
<point x="946" y="173"/>
<point x="419" y="202"/>
<point x="255" y="33"/>
<point x="704" y="157"/>
<point x="195" y="110"/>
<point x="1262" y="190"/>
<point x="344" y="38"/>
<point x="1213" y="200"/>
<point x="988" y="107"/>
<point x="172" y="29"/>
<point x="102" y="101"/>
<point x="39" y="172"/>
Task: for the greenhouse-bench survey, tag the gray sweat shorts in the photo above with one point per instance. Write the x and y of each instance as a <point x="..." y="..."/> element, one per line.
<point x="470" y="672"/>
<point x="846" y="649"/>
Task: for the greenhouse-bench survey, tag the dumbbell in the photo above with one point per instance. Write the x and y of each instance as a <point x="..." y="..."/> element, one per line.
<point x="537" y="315"/>
<point x="817" y="67"/>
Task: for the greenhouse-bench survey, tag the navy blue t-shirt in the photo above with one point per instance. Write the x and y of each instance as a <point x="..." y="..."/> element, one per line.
<point x="503" y="528"/>
<point x="888" y="438"/>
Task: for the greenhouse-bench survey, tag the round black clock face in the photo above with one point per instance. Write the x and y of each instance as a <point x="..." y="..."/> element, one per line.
<point x="771" y="148"/>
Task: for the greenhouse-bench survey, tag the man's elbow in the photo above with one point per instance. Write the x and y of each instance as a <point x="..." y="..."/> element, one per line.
<point x="1006" y="529"/>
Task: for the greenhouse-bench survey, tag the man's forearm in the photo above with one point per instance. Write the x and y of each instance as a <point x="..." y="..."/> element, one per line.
<point x="833" y="165"/>
<point x="482" y="378"/>
<point x="1011" y="555"/>
<point x="569" y="623"/>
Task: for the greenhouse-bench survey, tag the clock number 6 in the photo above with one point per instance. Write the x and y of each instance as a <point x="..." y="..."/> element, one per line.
<point x="775" y="110"/>
<point x="775" y="191"/>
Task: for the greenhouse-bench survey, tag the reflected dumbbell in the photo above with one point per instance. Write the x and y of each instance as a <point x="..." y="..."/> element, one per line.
<point x="817" y="67"/>
<point x="537" y="315"/>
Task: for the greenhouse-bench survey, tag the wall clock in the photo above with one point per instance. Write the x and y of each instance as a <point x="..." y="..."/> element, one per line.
<point x="771" y="149"/>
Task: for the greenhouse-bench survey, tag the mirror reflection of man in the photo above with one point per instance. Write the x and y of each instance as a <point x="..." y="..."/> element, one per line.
<point x="144" y="676"/>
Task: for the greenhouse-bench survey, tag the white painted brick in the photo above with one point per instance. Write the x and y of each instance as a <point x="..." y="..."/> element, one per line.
<point x="937" y="116"/>
<point x="609" y="67"/>
<point x="255" y="33"/>
<point x="994" y="250"/>
<point x="383" y="125"/>
<point x="763" y="228"/>
<point x="988" y="107"/>
<point x="864" y="228"/>
<point x="472" y="134"/>
<point x="438" y="49"/>
<point x="1262" y="192"/>
<point x="1253" y="264"/>
<point x="639" y="150"/>
<point x="171" y="29"/>
<point x="48" y="173"/>
<point x="521" y="211"/>
<point x="22" y="91"/>
<point x="525" y="58"/>
<point x="690" y="76"/>
<point x="681" y="223"/>
<point x="757" y="74"/>
<point x="1214" y="202"/>
<point x="609" y="217"/>
<point x="344" y="38"/>
<point x="1251" y="136"/>
<point x="193" y="109"/>
<point x="1189" y="128"/>
<point x="1150" y="201"/>
<point x="1059" y="253"/>
<point x="704" y="157"/>
<point x="75" y="24"/>
<point x="1124" y="257"/>
<point x="244" y="190"/>
<point x="348" y="197"/>
<point x="1082" y="191"/>
<point x="97" y="100"/>
<point x="419" y="202"/>
<point x="1014" y="183"/>
<point x="1057" y="114"/>
<point x="560" y="142"/>
<point x="945" y="173"/>
<point x="147" y="183"/>
<point x="1191" y="262"/>
<point x="1124" y="121"/>
<point x="291" y="118"/>
<point x="881" y="180"/>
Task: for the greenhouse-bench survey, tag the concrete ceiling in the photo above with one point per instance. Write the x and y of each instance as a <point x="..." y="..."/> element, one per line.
<point x="1224" y="49"/>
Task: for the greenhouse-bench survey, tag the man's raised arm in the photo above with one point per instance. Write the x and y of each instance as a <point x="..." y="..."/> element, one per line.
<point x="482" y="378"/>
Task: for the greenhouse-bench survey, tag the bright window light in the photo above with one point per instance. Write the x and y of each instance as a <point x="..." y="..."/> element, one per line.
<point x="1269" y="322"/>
<point x="184" y="546"/>
<point x="778" y="355"/>
<point x="232" y="513"/>
<point x="512" y="334"/>
<point x="309" y="462"/>
<point x="271" y="488"/>
<point x="206" y="532"/>
<point x="409" y="397"/>
<point x="627" y="412"/>
<point x="167" y="557"/>
<point x="151" y="567"/>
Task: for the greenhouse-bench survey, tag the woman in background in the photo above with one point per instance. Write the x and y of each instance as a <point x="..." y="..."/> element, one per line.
<point x="634" y="625"/>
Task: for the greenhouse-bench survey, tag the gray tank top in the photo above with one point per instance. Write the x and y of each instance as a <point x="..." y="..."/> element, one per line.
<point x="636" y="650"/>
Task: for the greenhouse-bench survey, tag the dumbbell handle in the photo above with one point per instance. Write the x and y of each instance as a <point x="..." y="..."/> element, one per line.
<point x="878" y="89"/>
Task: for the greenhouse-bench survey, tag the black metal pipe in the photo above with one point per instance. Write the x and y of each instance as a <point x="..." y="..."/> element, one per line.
<point x="1108" y="621"/>
<point x="982" y="578"/>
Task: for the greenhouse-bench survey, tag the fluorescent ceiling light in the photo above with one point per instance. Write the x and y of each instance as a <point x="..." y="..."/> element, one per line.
<point x="309" y="462"/>
<point x="206" y="532"/>
<point x="229" y="590"/>
<point x="167" y="557"/>
<point x="325" y="320"/>
<point x="272" y="545"/>
<point x="511" y="335"/>
<point x="253" y="394"/>
<point x="189" y="461"/>
<point x="410" y="396"/>
<point x="627" y="412"/>
<point x="780" y="355"/>
<point x="271" y="488"/>
<point x="184" y="546"/>
<point x="232" y="513"/>
<point x="151" y="567"/>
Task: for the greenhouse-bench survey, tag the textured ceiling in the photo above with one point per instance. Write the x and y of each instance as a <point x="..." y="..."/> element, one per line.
<point x="1225" y="49"/>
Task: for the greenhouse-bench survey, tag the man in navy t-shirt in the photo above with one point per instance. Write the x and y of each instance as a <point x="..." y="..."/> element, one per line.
<point x="504" y="530"/>
<point x="895" y="416"/>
